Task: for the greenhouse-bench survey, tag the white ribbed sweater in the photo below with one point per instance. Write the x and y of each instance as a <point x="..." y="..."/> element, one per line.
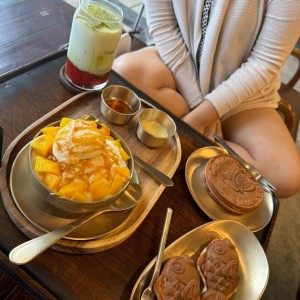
<point x="246" y="44"/>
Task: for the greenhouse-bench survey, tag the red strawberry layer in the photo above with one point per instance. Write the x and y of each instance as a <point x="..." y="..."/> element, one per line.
<point x="83" y="79"/>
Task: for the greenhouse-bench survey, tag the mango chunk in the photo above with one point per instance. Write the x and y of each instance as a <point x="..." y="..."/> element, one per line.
<point x="122" y="171"/>
<point x="73" y="190"/>
<point x="99" y="189"/>
<point x="51" y="130"/>
<point x="117" y="184"/>
<point x="64" y="122"/>
<point x="104" y="130"/>
<point x="43" y="144"/>
<point x="51" y="181"/>
<point x="123" y="153"/>
<point x="93" y="123"/>
<point x="43" y="165"/>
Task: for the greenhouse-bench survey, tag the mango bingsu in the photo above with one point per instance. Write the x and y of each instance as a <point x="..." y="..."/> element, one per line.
<point x="80" y="161"/>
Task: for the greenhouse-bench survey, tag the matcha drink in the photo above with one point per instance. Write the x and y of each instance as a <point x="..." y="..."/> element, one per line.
<point x="95" y="34"/>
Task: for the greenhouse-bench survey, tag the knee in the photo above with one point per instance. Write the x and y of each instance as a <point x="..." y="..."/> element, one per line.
<point x="289" y="183"/>
<point x="125" y="66"/>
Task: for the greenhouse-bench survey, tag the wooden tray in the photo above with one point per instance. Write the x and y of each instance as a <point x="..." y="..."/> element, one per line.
<point x="166" y="159"/>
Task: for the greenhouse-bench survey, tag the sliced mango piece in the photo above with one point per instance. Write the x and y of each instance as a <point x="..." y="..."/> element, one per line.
<point x="93" y="123"/>
<point x="43" y="144"/>
<point x="51" y="181"/>
<point x="117" y="143"/>
<point x="117" y="184"/>
<point x="99" y="189"/>
<point x="123" y="153"/>
<point x="64" y="122"/>
<point x="51" y="130"/>
<point x="43" y="165"/>
<point x="122" y="171"/>
<point x="73" y="190"/>
<point x="104" y="130"/>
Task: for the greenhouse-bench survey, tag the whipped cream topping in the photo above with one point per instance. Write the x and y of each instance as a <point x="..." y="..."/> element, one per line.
<point x="78" y="140"/>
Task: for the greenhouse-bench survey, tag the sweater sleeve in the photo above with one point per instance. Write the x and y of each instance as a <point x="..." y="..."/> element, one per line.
<point x="168" y="39"/>
<point x="278" y="34"/>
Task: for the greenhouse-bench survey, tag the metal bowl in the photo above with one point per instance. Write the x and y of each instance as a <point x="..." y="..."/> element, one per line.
<point x="119" y="104"/>
<point x="155" y="127"/>
<point x="73" y="206"/>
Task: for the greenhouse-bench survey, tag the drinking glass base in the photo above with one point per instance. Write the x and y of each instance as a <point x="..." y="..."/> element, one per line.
<point x="69" y="85"/>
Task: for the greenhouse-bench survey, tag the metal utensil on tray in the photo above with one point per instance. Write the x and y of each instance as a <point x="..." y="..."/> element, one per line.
<point x="161" y="177"/>
<point x="267" y="186"/>
<point x="148" y="293"/>
<point x="27" y="251"/>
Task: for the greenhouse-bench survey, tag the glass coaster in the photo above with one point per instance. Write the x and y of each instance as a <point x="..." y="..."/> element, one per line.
<point x="67" y="83"/>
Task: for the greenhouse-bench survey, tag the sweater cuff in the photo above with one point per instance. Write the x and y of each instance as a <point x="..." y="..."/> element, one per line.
<point x="223" y="99"/>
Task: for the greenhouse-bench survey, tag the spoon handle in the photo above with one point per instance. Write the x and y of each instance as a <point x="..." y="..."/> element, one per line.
<point x="161" y="177"/>
<point x="27" y="251"/>
<point x="162" y="246"/>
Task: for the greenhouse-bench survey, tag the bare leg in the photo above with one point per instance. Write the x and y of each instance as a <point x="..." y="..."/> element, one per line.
<point x="145" y="70"/>
<point x="261" y="137"/>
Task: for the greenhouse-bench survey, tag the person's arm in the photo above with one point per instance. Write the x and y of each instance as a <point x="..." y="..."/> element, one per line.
<point x="277" y="37"/>
<point x="202" y="117"/>
<point x="168" y="39"/>
<point x="275" y="41"/>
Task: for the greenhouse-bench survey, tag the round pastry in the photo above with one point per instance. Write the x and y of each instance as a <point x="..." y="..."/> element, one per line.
<point x="178" y="280"/>
<point x="218" y="267"/>
<point x="213" y="295"/>
<point x="231" y="185"/>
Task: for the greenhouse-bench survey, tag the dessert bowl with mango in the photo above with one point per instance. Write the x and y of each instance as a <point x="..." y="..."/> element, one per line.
<point x="80" y="165"/>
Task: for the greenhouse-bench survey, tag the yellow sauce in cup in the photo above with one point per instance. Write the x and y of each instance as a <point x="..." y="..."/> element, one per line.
<point x="155" y="128"/>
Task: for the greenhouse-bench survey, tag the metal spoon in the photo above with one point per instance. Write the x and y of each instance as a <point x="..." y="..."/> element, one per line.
<point x="148" y="293"/>
<point x="161" y="177"/>
<point x="27" y="251"/>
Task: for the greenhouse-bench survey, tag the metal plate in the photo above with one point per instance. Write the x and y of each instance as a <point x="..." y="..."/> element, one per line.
<point x="28" y="199"/>
<point x="253" y="269"/>
<point x="194" y="175"/>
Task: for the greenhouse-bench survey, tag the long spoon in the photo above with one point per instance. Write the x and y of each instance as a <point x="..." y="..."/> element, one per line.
<point x="161" y="177"/>
<point x="27" y="251"/>
<point x="148" y="293"/>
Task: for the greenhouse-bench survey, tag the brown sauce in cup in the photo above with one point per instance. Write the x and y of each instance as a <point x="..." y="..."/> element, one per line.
<point x="119" y="106"/>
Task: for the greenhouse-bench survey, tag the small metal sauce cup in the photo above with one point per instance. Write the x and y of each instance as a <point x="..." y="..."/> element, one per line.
<point x="148" y="134"/>
<point x="119" y="104"/>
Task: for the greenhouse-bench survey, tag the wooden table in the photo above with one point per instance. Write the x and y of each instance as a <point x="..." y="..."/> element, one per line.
<point x="30" y="88"/>
<point x="110" y="274"/>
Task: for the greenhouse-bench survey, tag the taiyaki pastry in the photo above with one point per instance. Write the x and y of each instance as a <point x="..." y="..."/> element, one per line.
<point x="231" y="185"/>
<point x="178" y="280"/>
<point x="80" y="161"/>
<point x="218" y="266"/>
<point x="213" y="295"/>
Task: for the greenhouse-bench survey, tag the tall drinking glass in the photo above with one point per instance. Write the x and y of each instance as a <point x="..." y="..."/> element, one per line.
<point x="95" y="34"/>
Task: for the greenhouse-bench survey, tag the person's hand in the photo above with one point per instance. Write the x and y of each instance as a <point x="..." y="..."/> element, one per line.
<point x="212" y="128"/>
<point x="204" y="119"/>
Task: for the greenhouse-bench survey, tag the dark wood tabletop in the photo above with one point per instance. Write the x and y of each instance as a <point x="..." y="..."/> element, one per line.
<point x="29" y="90"/>
<point x="109" y="274"/>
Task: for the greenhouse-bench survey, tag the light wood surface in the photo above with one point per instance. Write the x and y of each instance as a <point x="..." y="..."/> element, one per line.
<point x="165" y="158"/>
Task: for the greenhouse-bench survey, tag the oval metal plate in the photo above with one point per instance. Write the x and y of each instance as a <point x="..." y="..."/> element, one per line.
<point x="253" y="270"/>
